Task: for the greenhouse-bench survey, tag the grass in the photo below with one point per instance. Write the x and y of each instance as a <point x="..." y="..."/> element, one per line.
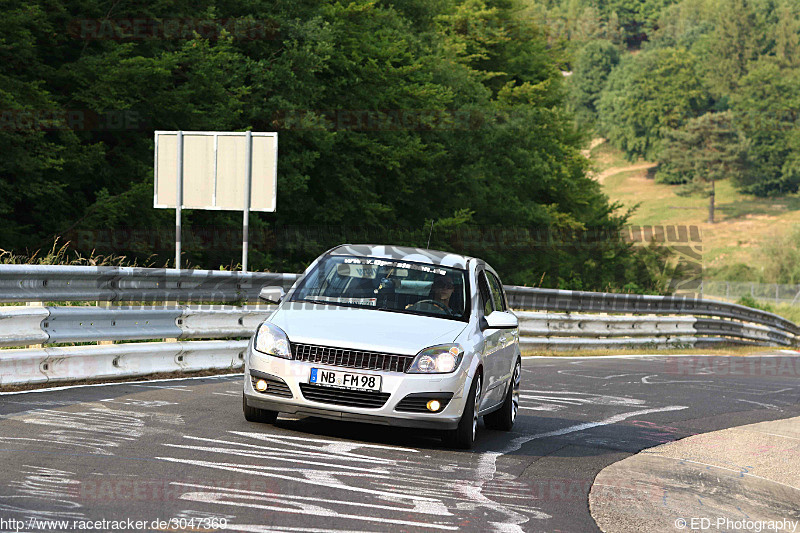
<point x="744" y="222"/>
<point x="790" y="312"/>
<point x="66" y="255"/>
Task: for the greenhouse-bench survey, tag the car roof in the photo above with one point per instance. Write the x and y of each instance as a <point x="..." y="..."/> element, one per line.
<point x="404" y="253"/>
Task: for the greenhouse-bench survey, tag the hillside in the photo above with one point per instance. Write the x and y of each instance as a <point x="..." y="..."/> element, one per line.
<point x="744" y="223"/>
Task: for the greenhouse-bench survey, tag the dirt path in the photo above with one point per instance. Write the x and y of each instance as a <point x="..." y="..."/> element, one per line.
<point x="599" y="178"/>
<point x="595" y="142"/>
<point x="616" y="170"/>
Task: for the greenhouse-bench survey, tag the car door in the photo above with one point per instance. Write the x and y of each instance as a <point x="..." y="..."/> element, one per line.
<point x="509" y="336"/>
<point x="492" y="347"/>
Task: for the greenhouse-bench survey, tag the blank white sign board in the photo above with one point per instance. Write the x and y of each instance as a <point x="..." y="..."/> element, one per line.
<point x="214" y="170"/>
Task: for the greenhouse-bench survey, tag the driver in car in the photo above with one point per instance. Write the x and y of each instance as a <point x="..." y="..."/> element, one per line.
<point x="442" y="290"/>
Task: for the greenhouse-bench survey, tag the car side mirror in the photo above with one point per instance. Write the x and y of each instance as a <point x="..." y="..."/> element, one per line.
<point x="498" y="320"/>
<point x="273" y="295"/>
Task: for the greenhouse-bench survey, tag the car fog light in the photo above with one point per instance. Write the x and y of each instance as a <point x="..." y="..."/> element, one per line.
<point x="261" y="385"/>
<point x="434" y="405"/>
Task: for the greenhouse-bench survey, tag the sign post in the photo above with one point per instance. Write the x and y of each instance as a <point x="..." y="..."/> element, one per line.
<point x="248" y="186"/>
<point x="179" y="202"/>
<point x="215" y="170"/>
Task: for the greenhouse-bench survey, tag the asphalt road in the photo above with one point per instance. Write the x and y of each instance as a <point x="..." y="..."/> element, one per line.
<point x="178" y="451"/>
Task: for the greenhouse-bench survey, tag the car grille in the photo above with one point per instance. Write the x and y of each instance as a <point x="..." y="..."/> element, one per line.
<point x="418" y="402"/>
<point x="275" y="385"/>
<point x="350" y="398"/>
<point x="351" y="358"/>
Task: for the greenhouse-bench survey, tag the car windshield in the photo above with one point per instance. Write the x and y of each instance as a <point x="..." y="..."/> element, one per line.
<point x="387" y="285"/>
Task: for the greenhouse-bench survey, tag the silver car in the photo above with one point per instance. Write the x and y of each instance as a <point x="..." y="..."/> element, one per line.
<point x="389" y="335"/>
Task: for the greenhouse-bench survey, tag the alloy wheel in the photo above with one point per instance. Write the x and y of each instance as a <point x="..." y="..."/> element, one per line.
<point x="476" y="406"/>
<point x="515" y="391"/>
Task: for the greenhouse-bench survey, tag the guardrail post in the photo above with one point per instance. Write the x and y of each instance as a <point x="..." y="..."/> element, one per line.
<point x="34" y="304"/>
<point x="106" y="305"/>
<point x="171" y="339"/>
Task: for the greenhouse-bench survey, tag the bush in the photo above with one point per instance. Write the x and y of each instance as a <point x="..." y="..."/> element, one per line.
<point x="749" y="301"/>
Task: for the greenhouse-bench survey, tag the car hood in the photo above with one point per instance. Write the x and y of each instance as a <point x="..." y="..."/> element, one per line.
<point x="364" y="329"/>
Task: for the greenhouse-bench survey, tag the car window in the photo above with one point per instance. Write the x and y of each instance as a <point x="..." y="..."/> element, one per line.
<point x="387" y="285"/>
<point x="497" y="292"/>
<point x="486" y="297"/>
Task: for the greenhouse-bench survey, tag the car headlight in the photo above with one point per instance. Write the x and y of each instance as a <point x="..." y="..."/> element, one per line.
<point x="271" y="340"/>
<point x="441" y="359"/>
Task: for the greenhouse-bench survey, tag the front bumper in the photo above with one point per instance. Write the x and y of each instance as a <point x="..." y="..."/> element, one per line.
<point x="397" y="384"/>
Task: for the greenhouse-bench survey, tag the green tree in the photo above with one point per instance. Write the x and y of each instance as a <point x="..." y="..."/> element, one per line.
<point x="765" y="108"/>
<point x="390" y="114"/>
<point x="787" y="36"/>
<point x="739" y="37"/>
<point x="595" y="62"/>
<point x="683" y="25"/>
<point x="705" y="150"/>
<point x="638" y="17"/>
<point x="649" y="92"/>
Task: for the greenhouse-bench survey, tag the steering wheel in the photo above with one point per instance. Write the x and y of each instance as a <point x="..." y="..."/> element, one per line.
<point x="436" y="303"/>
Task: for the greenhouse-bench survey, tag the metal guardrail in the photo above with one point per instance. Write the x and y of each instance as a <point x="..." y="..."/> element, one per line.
<point x="571" y="320"/>
<point x="577" y="331"/>
<point x="54" y="283"/>
<point x="20" y="326"/>
<point x="54" y="364"/>
<point x="58" y="283"/>
<point x="604" y="302"/>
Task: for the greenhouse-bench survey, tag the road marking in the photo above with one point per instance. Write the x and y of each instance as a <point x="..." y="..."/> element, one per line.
<point x="306" y="498"/>
<point x="568" y="373"/>
<point x="487" y="465"/>
<point x="646" y="381"/>
<point x="317" y="479"/>
<point x="345" y="456"/>
<point x="542" y="407"/>
<point x="314" y="478"/>
<point x="539" y="402"/>
<point x="273" y="457"/>
<point x="767" y="405"/>
<point x="255" y="528"/>
<point x="180" y="388"/>
<point x="97" y="428"/>
<point x="334" y="445"/>
<point x="54" y="487"/>
<point x="66" y="387"/>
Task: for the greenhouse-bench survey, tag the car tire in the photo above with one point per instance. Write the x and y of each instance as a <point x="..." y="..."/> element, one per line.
<point x="463" y="437"/>
<point x="503" y="419"/>
<point x="254" y="414"/>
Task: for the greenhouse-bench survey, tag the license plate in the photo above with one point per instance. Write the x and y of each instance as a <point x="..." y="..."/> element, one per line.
<point x="344" y="380"/>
